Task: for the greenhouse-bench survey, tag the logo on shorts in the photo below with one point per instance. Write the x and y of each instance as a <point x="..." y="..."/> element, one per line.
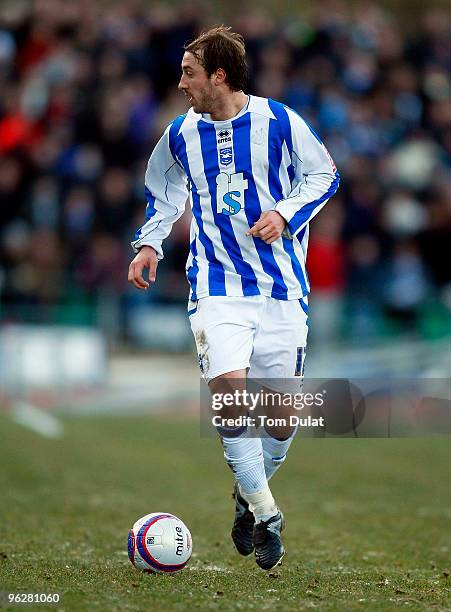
<point x="230" y="193"/>
<point x="225" y="156"/>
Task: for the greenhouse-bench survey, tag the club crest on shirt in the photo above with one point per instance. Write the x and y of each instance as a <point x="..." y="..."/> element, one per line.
<point x="225" y="156"/>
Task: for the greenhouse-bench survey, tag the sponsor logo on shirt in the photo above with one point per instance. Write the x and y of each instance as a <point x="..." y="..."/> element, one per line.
<point x="230" y="193"/>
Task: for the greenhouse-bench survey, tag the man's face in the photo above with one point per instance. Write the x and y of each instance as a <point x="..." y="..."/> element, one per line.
<point x="196" y="85"/>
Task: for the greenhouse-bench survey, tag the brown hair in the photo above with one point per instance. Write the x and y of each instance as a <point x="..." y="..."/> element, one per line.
<point x="222" y="48"/>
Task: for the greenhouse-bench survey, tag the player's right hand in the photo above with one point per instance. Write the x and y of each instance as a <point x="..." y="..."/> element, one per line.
<point x="146" y="258"/>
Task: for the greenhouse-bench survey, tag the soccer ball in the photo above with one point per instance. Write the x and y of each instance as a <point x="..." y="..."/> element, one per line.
<point x="159" y="542"/>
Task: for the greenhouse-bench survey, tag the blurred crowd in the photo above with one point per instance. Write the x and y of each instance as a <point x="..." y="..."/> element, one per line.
<point x="87" y="88"/>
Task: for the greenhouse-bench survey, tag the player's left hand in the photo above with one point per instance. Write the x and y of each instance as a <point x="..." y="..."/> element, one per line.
<point x="269" y="227"/>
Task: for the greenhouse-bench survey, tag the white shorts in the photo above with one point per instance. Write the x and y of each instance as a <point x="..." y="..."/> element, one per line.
<point x="260" y="334"/>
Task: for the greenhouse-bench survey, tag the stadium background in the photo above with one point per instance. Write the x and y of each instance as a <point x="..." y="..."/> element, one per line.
<point x="86" y="90"/>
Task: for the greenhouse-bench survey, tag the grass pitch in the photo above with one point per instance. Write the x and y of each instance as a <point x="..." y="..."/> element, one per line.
<point x="368" y="521"/>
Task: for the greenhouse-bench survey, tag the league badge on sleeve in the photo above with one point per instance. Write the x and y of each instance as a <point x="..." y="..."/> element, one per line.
<point x="329" y="156"/>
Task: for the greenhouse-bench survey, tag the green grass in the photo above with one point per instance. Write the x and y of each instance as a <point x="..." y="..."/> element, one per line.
<point x="368" y="521"/>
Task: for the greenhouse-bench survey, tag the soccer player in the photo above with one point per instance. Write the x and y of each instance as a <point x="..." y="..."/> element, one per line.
<point x="255" y="174"/>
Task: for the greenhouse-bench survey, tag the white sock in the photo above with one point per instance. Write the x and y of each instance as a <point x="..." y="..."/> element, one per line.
<point x="261" y="504"/>
<point x="275" y="453"/>
<point x="244" y="455"/>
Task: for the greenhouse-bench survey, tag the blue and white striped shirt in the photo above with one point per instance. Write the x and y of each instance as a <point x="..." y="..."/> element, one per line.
<point x="263" y="159"/>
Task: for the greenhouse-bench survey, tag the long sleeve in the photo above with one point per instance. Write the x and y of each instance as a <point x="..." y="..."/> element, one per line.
<point x="315" y="179"/>
<point x="166" y="192"/>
